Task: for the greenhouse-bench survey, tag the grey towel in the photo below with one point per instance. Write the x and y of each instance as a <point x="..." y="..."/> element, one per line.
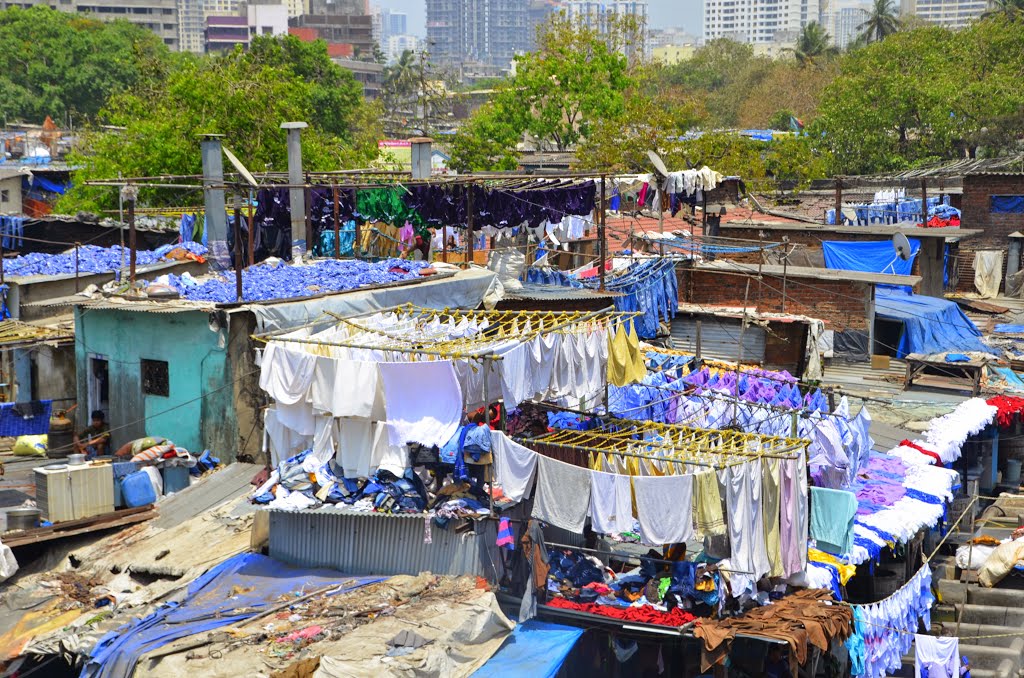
<point x="561" y="494"/>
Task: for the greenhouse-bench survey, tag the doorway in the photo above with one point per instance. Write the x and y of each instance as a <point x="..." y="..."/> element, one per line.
<point x="99" y="385"/>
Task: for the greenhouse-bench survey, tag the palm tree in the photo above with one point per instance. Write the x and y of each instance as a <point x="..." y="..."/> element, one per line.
<point x="813" y="43"/>
<point x="403" y="78"/>
<point x="882" y="21"/>
<point x="1011" y="9"/>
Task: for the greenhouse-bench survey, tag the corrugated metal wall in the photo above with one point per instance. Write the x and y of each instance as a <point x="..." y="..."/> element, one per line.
<point x="375" y="544"/>
<point x="719" y="338"/>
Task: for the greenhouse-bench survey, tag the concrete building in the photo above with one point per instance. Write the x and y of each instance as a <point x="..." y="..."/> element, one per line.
<point x="948" y="13"/>
<point x="486" y="31"/>
<point x="772" y="21"/>
<point x="224" y="33"/>
<point x="341" y="22"/>
<point x="159" y="16"/>
<point x="10" y="191"/>
<point x="369" y="74"/>
<point x="267" y="19"/>
<point x="397" y="44"/>
<point x="842" y="20"/>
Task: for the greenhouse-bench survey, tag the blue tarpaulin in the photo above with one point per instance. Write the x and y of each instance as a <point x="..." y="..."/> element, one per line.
<point x="535" y="648"/>
<point x="235" y="590"/>
<point x="1004" y="328"/>
<point x="1012" y="204"/>
<point x="930" y="325"/>
<point x="875" y="256"/>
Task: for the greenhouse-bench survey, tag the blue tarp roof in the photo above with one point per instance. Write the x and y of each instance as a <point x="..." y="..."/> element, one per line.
<point x="233" y="591"/>
<point x="535" y="648"/>
<point x="873" y="256"/>
<point x="930" y="325"/>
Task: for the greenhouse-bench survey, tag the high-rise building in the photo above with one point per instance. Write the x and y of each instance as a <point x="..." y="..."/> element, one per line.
<point x="490" y="32"/>
<point x="387" y="22"/>
<point x="159" y="16"/>
<point x="344" y="23"/>
<point x="758" y="21"/>
<point x="949" y="13"/>
<point x="400" y="43"/>
<point x="598" y="15"/>
<point x="843" y="18"/>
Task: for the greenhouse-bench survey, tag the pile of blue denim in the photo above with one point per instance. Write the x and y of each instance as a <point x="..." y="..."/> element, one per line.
<point x="283" y="281"/>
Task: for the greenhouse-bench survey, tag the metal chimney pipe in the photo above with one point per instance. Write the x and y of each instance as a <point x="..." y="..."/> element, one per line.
<point x="296" y="196"/>
<point x="213" y="200"/>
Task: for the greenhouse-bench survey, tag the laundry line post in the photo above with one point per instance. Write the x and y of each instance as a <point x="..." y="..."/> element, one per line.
<point x="337" y="226"/>
<point x="739" y="351"/>
<point x="602" y="237"/>
<point x="488" y="364"/>
<point x="357" y="240"/>
<point x="238" y="252"/>
<point x="251" y="242"/>
<point x="470" y="234"/>
<point x="132" y="193"/>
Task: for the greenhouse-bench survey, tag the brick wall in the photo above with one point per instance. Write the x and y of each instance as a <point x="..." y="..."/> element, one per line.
<point x="976" y="206"/>
<point x="842" y="304"/>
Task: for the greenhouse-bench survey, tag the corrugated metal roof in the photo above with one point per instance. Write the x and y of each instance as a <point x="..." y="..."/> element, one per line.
<point x="542" y="292"/>
<point x="374" y="543"/>
<point x="141" y="305"/>
<point x="16" y="333"/>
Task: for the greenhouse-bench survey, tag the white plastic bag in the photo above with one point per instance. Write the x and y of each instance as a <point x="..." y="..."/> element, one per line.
<point x="8" y="563"/>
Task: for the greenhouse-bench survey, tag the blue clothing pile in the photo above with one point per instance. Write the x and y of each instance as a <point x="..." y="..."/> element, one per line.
<point x="24" y="419"/>
<point x="282" y="281"/>
<point x="91" y="259"/>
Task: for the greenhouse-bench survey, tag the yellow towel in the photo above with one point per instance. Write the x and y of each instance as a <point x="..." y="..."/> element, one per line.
<point x="707" y="504"/>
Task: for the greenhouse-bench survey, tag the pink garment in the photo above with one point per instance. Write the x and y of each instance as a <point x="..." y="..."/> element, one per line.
<point x="406" y="234"/>
<point x="793" y="516"/>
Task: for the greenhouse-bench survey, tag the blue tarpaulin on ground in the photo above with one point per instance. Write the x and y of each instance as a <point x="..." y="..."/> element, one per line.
<point x="535" y="648"/>
<point x="930" y="325"/>
<point x="874" y="256"/>
<point x="235" y="590"/>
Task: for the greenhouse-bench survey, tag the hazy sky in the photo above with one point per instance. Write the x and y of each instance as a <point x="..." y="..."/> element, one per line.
<point x="664" y="14"/>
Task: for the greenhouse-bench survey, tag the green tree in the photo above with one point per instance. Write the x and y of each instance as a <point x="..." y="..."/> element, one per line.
<point x="813" y="44"/>
<point x="576" y="78"/>
<point x="882" y="21"/>
<point x="1010" y="9"/>
<point x="334" y="92"/>
<point x="60" y="64"/>
<point x="889" y="108"/>
<point x="245" y="97"/>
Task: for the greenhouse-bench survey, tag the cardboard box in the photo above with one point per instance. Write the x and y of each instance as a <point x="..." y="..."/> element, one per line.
<point x="879" y="362"/>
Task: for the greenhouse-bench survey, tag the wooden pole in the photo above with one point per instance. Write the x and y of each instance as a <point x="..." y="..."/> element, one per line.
<point x="309" y="220"/>
<point x="252" y="235"/>
<point x="238" y="252"/>
<point x="602" y="236"/>
<point x="357" y="243"/>
<point x="470" y="236"/>
<point x="924" y="202"/>
<point x="76" y="267"/>
<point x="337" y="227"/>
<point x="131" y="240"/>
<point x="839" y="202"/>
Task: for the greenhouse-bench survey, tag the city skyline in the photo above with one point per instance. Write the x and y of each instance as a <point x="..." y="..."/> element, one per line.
<point x="685" y="14"/>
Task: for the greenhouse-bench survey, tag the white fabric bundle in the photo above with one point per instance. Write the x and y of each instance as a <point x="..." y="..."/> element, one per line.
<point x="947" y="434"/>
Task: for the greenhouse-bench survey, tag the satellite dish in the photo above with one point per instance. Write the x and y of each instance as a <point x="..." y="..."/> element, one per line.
<point x="902" y="246"/>
<point x="240" y="167"/>
<point x="658" y="163"/>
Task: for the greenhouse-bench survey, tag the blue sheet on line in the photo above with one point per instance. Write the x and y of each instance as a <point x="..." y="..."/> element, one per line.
<point x="930" y="325"/>
<point x="233" y="591"/>
<point x="1007" y="204"/>
<point x="535" y="648"/>
<point x="13" y="424"/>
<point x="873" y="256"/>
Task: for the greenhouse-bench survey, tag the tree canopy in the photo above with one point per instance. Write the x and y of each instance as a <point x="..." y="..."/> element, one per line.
<point x="243" y="95"/>
<point x="61" y="64"/>
<point x="922" y="95"/>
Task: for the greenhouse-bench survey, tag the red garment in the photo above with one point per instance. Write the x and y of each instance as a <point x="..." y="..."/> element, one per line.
<point x="936" y="222"/>
<point x="936" y="459"/>
<point x="644" y="615"/>
<point x="1008" y="407"/>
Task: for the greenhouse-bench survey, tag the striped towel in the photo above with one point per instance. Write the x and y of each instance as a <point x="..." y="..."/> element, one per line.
<point x="505" y="537"/>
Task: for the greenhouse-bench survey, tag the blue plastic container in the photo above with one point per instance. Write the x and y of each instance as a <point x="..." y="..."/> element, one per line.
<point x="137" y="490"/>
<point x="176" y="478"/>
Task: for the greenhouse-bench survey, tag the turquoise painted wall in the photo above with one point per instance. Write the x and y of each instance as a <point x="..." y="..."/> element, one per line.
<point x="197" y="414"/>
